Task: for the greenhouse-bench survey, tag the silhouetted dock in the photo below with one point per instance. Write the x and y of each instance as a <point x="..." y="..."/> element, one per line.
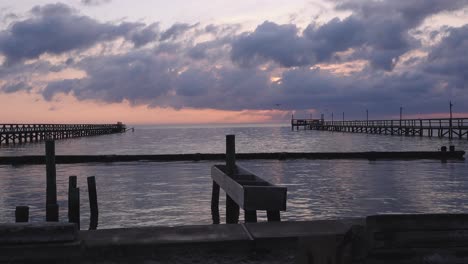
<point x="23" y="133"/>
<point x="448" y="127"/>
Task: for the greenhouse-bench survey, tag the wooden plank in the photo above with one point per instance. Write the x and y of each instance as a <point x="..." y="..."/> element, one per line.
<point x="251" y="197"/>
<point x="271" y="198"/>
<point x="230" y="186"/>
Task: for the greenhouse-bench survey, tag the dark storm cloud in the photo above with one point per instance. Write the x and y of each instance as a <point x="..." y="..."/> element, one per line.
<point x="136" y="76"/>
<point x="449" y="59"/>
<point x="378" y="30"/>
<point x="57" y="28"/>
<point x="271" y="41"/>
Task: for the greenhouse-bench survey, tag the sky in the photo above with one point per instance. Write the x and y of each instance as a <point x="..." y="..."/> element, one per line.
<point x="245" y="61"/>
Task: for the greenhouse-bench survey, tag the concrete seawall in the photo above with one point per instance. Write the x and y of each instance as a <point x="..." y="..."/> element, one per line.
<point x="240" y="243"/>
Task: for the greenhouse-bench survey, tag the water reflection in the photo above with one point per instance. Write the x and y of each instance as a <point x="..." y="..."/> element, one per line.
<point x="176" y="193"/>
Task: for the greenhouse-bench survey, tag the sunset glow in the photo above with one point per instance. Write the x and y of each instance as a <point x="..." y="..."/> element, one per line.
<point x="242" y="62"/>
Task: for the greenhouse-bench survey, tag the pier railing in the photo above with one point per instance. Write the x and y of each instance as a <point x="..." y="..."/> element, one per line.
<point x="440" y="127"/>
<point x="22" y="133"/>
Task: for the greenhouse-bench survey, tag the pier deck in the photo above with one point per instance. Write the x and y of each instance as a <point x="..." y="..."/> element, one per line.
<point x="448" y="127"/>
<point x="23" y="133"/>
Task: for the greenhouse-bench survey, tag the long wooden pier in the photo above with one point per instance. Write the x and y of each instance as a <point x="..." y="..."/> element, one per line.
<point x="23" y="133"/>
<point x="448" y="127"/>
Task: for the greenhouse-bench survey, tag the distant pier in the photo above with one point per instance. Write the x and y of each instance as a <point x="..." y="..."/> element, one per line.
<point x="24" y="133"/>
<point x="448" y="127"/>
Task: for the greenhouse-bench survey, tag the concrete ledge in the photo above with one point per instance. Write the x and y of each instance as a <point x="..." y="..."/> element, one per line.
<point x="25" y="233"/>
<point x="278" y="230"/>
<point x="164" y="235"/>
<point x="244" y="243"/>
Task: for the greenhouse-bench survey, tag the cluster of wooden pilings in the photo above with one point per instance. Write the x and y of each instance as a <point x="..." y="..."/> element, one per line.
<point x="448" y="127"/>
<point x="52" y="207"/>
<point x="23" y="133"/>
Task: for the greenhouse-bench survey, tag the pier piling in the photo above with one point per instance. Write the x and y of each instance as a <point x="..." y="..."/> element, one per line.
<point x="22" y="214"/>
<point x="250" y="216"/>
<point x="93" y="205"/>
<point x="231" y="154"/>
<point x="232" y="209"/>
<point x="74" y="209"/>
<point x="72" y="183"/>
<point x="215" y="203"/>
<point x="52" y="208"/>
<point x="273" y="216"/>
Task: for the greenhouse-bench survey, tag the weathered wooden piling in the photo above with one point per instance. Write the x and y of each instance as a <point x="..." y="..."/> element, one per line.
<point x="74" y="209"/>
<point x="273" y="216"/>
<point x="250" y="216"/>
<point x="93" y="205"/>
<point x="22" y="214"/>
<point x="72" y="183"/>
<point x="52" y="208"/>
<point x="215" y="203"/>
<point x="232" y="209"/>
<point x="231" y="154"/>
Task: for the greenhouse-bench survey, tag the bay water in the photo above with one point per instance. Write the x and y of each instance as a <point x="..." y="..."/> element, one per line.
<point x="179" y="193"/>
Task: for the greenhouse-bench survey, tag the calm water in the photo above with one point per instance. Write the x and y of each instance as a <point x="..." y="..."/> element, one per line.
<point x="176" y="193"/>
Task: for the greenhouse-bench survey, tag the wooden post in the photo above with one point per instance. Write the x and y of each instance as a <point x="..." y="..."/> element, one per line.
<point x="22" y="214"/>
<point x="52" y="214"/>
<point x="232" y="211"/>
<point x="215" y="203"/>
<point x="72" y="183"/>
<point x="74" y="209"/>
<point x="93" y="205"/>
<point x="230" y="154"/>
<point x="273" y="216"/>
<point x="250" y="216"/>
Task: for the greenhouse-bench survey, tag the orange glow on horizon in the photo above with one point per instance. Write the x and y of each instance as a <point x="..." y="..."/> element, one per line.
<point x="31" y="108"/>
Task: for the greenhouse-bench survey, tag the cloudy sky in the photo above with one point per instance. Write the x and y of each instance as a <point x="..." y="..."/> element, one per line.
<point x="219" y="61"/>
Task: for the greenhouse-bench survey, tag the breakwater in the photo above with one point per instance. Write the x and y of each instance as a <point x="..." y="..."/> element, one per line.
<point x="369" y="155"/>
